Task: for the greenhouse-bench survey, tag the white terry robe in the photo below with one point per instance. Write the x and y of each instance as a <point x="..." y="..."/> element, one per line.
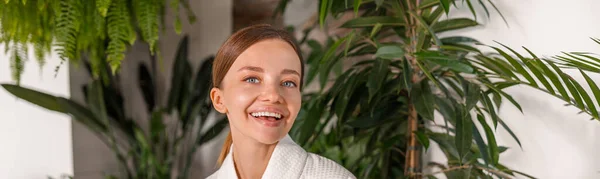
<point x="290" y="161"/>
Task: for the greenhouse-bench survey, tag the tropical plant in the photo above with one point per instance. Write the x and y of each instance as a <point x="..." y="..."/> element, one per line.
<point x="98" y="29"/>
<point x="376" y="116"/>
<point x="164" y="148"/>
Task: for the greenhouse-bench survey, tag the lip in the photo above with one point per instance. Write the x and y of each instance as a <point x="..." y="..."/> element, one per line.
<point x="269" y="109"/>
<point x="268" y="123"/>
<point x="265" y="122"/>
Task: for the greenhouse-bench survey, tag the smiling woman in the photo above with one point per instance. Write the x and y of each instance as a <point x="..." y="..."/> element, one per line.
<point x="257" y="81"/>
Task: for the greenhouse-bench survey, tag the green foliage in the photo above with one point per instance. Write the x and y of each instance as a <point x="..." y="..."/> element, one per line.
<point x="400" y="67"/>
<point x="143" y="151"/>
<point x="101" y="29"/>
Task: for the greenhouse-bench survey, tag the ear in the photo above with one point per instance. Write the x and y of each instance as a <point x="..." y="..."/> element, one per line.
<point x="216" y="96"/>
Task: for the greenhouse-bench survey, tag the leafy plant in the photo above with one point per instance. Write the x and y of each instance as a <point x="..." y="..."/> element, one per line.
<point x="173" y="132"/>
<point x="98" y="29"/>
<point x="376" y="116"/>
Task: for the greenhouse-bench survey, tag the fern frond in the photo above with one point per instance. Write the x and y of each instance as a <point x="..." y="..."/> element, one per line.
<point x="120" y="32"/>
<point x="146" y="12"/>
<point x="67" y="29"/>
<point x="39" y="51"/>
<point x="17" y="63"/>
<point x="102" y="6"/>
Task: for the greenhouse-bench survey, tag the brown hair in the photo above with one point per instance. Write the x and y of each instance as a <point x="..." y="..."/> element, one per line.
<point x="234" y="46"/>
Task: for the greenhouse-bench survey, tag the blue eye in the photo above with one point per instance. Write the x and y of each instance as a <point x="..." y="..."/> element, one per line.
<point x="252" y="80"/>
<point x="289" y="84"/>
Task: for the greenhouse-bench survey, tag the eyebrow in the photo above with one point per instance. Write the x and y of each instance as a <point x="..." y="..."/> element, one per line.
<point x="259" y="69"/>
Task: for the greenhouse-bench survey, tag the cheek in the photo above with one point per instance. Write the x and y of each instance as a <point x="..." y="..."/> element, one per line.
<point x="294" y="101"/>
<point x="239" y="98"/>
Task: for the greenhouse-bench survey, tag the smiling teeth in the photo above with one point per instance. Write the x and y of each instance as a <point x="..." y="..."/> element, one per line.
<point x="268" y="114"/>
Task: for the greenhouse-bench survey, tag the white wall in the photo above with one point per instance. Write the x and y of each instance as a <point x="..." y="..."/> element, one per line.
<point x="557" y="143"/>
<point x="34" y="142"/>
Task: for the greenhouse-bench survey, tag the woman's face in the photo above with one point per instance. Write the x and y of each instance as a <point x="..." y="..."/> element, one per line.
<point x="260" y="93"/>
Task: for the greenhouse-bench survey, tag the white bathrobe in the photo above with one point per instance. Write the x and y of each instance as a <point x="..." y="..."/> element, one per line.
<point x="290" y="161"/>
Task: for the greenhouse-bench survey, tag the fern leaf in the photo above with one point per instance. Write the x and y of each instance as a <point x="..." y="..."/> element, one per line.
<point x="39" y="51"/>
<point x="120" y="32"/>
<point x="67" y="28"/>
<point x="102" y="6"/>
<point x="146" y="12"/>
<point x="17" y="63"/>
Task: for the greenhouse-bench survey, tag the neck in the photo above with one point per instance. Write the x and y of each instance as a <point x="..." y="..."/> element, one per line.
<point x="250" y="157"/>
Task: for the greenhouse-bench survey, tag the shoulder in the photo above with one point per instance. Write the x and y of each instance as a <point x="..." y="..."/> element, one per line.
<point x="321" y="167"/>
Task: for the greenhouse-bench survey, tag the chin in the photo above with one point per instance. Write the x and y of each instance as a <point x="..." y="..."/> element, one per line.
<point x="269" y="137"/>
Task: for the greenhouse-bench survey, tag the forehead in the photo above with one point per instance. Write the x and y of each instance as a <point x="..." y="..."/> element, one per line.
<point x="272" y="53"/>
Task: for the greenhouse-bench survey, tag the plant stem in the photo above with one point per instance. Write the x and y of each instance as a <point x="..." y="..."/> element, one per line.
<point x="411" y="165"/>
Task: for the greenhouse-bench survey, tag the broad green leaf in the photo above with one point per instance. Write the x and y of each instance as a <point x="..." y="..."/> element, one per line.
<point x="459" y="47"/>
<point x="139" y="136"/>
<point x="324" y="8"/>
<point x="331" y="51"/>
<point x="483" y="149"/>
<point x="378" y="76"/>
<point x="313" y="70"/>
<point x="427" y="73"/>
<point x="509" y="97"/>
<point x="458" y="39"/>
<point x="375" y="30"/>
<point x="434" y="16"/>
<point x="446" y="107"/>
<point x="428" y="3"/>
<point x="83" y="115"/>
<point x="453" y="24"/>
<point x="446" y="5"/>
<point x="38" y="98"/>
<point x="357" y="6"/>
<point x="491" y="139"/>
<point x="181" y="77"/>
<point x="425" y="25"/>
<point x="459" y="173"/>
<point x="472" y="92"/>
<point x="487" y="103"/>
<point x="372" y="21"/>
<point x="464" y="132"/>
<point x="422" y="98"/>
<point x="593" y="87"/>
<point x="390" y="52"/>
<point x="423" y="139"/>
<point x="350" y="38"/>
<point x="311" y="121"/>
<point x="407" y="74"/>
<point x="157" y="127"/>
<point x="326" y="70"/>
<point x="445" y="61"/>
<point x="96" y="101"/>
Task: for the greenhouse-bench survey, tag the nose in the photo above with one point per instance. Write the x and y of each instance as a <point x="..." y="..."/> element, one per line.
<point x="271" y="94"/>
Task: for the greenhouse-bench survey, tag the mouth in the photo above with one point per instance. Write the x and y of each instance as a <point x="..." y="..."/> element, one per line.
<point x="270" y="119"/>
